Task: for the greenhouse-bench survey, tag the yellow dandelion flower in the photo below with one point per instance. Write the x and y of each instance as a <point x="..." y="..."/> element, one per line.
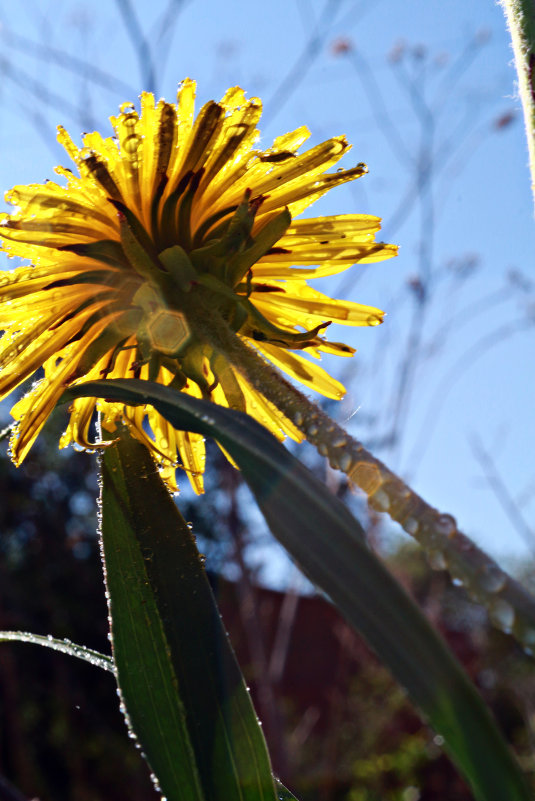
<point x="172" y="222"/>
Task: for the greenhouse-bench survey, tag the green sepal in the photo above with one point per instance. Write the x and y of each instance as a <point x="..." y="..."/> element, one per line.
<point x="215" y="285"/>
<point x="168" y="225"/>
<point x="136" y="227"/>
<point x="237" y="317"/>
<point x="209" y="258"/>
<point x="137" y="244"/>
<point x="204" y="227"/>
<point x="184" y="210"/>
<point x="177" y="263"/>
<point x="240" y="226"/>
<point x="155" y="363"/>
<point x="232" y="237"/>
<point x="97" y="277"/>
<point x="155" y="204"/>
<point x="107" y="251"/>
<point x="262" y="243"/>
<point x="224" y="373"/>
<point x="193" y="356"/>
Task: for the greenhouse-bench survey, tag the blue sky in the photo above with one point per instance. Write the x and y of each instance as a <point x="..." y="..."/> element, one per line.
<point x="402" y="81"/>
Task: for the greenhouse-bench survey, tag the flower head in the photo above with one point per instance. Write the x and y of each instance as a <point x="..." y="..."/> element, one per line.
<point x="173" y="223"/>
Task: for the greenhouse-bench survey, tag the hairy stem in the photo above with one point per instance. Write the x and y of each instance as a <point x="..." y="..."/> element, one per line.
<point x="520" y="16"/>
<point x="511" y="607"/>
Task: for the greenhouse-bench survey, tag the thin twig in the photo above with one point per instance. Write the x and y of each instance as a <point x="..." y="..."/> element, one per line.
<point x="281" y="640"/>
<point x="164" y="30"/>
<point x="36" y="88"/>
<point x="73" y="64"/>
<point x="303" y="62"/>
<point x="379" y="107"/>
<point x="501" y="492"/>
<point x="465" y="362"/>
<point x="140" y="45"/>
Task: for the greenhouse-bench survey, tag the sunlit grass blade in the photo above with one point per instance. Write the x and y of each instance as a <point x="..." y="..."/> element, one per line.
<point x="324" y="538"/>
<point x="283" y="793"/>
<point x="184" y="695"/>
<point x="64" y="646"/>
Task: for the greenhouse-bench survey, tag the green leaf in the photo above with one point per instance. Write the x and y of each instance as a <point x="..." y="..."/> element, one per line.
<point x="185" y="697"/>
<point x="283" y="793"/>
<point x="64" y="646"/>
<point x="327" y="542"/>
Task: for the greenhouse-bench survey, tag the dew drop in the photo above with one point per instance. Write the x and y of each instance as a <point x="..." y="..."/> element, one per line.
<point x="131" y="143"/>
<point x="148" y="554"/>
<point x="381" y="500"/>
<point x="411" y="525"/>
<point x="436" y="560"/>
<point x="340" y="442"/>
<point x="374" y="319"/>
<point x="528" y="638"/>
<point x="502" y="614"/>
<point x="345" y="462"/>
<point x="155" y="782"/>
<point x="446" y="525"/>
<point x="129" y="110"/>
<point x="492" y="579"/>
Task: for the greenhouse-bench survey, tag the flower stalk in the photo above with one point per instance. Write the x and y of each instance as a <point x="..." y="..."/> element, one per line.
<point x="511" y="608"/>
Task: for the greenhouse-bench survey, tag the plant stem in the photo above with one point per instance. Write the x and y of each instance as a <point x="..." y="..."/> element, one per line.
<point x="511" y="607"/>
<point x="520" y="16"/>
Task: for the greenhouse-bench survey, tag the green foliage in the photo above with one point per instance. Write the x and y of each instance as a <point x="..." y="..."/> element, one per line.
<point x="183" y="692"/>
<point x="328" y="543"/>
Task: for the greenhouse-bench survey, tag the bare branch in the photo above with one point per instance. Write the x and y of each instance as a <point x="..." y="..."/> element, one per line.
<point x="77" y="66"/>
<point x="37" y="89"/>
<point x="164" y="30"/>
<point x="303" y="63"/>
<point x="140" y="45"/>
<point x="465" y="362"/>
<point x="501" y="492"/>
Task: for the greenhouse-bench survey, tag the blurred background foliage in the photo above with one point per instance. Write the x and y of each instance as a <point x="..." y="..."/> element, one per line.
<point x="441" y="391"/>
<point x="336" y="724"/>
